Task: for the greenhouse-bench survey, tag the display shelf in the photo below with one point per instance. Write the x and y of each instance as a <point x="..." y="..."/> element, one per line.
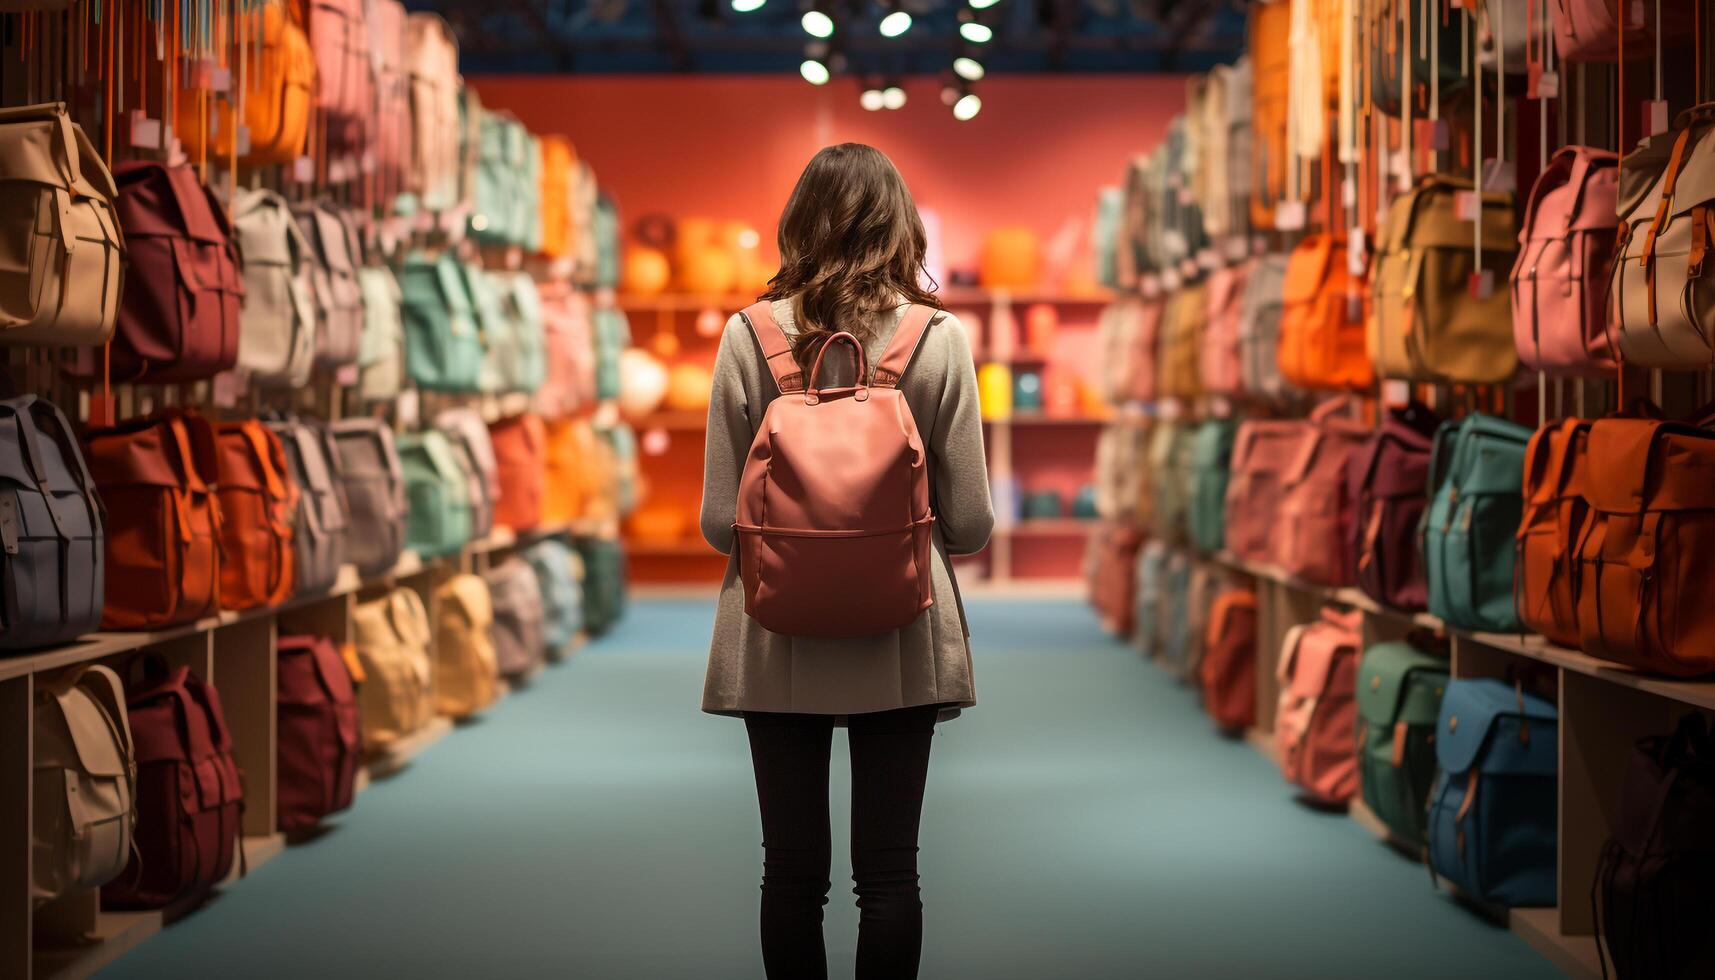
<point x="688" y="546"/>
<point x="1042" y="418"/>
<point x="674" y="421"/>
<point x="1575" y="956"/>
<point x="1049" y="527"/>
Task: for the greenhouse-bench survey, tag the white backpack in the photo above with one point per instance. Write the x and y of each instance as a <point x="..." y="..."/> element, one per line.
<point x="84" y="784"/>
<point x="277" y="325"/>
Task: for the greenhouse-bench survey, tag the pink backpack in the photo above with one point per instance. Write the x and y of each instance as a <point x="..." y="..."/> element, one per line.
<point x="1317" y="712"/>
<point x="339" y="38"/>
<point x="390" y="138"/>
<point x="1262" y="451"/>
<point x="567" y="350"/>
<point x="1219" y="356"/>
<point x="833" y="521"/>
<point x="1315" y="511"/>
<point x="1560" y="279"/>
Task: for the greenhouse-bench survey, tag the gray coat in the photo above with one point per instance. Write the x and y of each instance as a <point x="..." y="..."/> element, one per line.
<point x="928" y="662"/>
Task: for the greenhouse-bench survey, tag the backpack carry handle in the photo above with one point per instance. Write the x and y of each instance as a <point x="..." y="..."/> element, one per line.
<point x="812" y="394"/>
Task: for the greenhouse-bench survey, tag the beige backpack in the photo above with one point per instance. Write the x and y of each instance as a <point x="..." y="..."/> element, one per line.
<point x="277" y="323"/>
<point x="466" y="672"/>
<point x="432" y="58"/>
<point x="84" y="784"/>
<point x="63" y="290"/>
<point x="397" y="694"/>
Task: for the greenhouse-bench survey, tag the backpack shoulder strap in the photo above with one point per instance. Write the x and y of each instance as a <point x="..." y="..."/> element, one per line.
<point x="891" y="367"/>
<point x="776" y="346"/>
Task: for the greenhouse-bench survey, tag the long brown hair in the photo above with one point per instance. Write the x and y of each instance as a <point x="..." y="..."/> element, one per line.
<point x="851" y="247"/>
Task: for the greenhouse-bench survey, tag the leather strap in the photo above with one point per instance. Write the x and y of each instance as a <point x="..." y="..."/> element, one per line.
<point x="903" y="347"/>
<point x="776" y="346"/>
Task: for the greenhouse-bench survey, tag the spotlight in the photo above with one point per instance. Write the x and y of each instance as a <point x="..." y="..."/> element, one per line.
<point x="895" y="23"/>
<point x="746" y="6"/>
<point x="968" y="68"/>
<point x="982" y="4"/>
<point x="815" y="71"/>
<point x="873" y="99"/>
<point x="975" y="33"/>
<point x="817" y="23"/>
<point x="967" y="107"/>
<point x="893" y="97"/>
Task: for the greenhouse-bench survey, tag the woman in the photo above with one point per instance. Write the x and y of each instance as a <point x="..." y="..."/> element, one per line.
<point x="851" y="255"/>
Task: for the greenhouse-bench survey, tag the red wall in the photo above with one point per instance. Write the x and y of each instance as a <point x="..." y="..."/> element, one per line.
<point x="730" y="147"/>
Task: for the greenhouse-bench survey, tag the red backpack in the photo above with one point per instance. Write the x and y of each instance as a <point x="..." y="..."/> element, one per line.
<point x="1228" y="670"/>
<point x="189" y="791"/>
<point x="837" y="483"/>
<point x="319" y="740"/>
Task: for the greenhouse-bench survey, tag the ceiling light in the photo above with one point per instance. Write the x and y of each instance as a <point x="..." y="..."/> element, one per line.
<point x="982" y="4"/>
<point x="973" y="32"/>
<point x="746" y="6"/>
<point x="872" y="100"/>
<point x="968" y="68"/>
<point x="893" y="97"/>
<point x="814" y="71"/>
<point x="895" y="24"/>
<point x="967" y="107"/>
<point x="817" y="24"/>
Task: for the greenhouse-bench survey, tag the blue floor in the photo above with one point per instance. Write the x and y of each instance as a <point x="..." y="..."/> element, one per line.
<point x="1082" y="822"/>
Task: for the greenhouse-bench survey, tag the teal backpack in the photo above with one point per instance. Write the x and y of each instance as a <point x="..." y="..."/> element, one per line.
<point x="1176" y="636"/>
<point x="612" y="332"/>
<point x="604" y="583"/>
<point x="1170" y="472"/>
<point x="1147" y="626"/>
<point x="556" y="567"/>
<point x="437" y="490"/>
<point x="443" y="346"/>
<point x="529" y="189"/>
<point x="1105" y="233"/>
<point x="492" y="324"/>
<point x="489" y="173"/>
<point x="1399" y="699"/>
<point x="1211" y="457"/>
<point x="1476" y="479"/>
<point x="522" y="306"/>
<point x="605" y="230"/>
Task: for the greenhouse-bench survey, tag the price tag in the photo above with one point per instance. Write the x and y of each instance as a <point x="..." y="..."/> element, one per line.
<point x="1170" y="280"/>
<point x="1168" y="409"/>
<point x="175" y="149"/>
<point x="1289" y="216"/>
<point x="1547" y="86"/>
<point x="1259" y="244"/>
<point x="303" y="170"/>
<point x="1209" y="259"/>
<point x="1655" y="117"/>
<point x="346" y="376"/>
<point x="1348" y="192"/>
<point x="1188" y="268"/>
<point x="228" y="385"/>
<point x="221" y="79"/>
<point x="1235" y="248"/>
<point x="1396" y="392"/>
<point x="367" y="165"/>
<point x="145" y="132"/>
<point x="202" y="75"/>
<point x="1500" y="176"/>
<point x="1150" y="285"/>
<point x="408" y="407"/>
<point x="1465" y="205"/>
<point x="1483" y="284"/>
<point x="241" y="137"/>
<point x="1357" y="252"/>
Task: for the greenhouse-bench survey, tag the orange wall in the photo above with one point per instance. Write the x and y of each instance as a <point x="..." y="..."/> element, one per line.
<point x="730" y="147"/>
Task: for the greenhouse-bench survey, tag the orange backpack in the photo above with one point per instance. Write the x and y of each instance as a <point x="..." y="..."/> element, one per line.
<point x="1321" y="341"/>
<point x="1271" y="58"/>
<point x="257" y="501"/>
<point x="279" y="87"/>
<point x="558" y="161"/>
<point x="521" y="469"/>
<point x="567" y="443"/>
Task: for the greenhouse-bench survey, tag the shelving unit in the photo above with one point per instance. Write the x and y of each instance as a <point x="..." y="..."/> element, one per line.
<point x="73" y="937"/>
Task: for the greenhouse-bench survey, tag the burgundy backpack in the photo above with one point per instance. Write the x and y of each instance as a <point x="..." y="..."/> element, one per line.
<point x="834" y="523"/>
<point x="1388" y="479"/>
<point x="319" y="740"/>
<point x="178" y="315"/>
<point x="189" y="790"/>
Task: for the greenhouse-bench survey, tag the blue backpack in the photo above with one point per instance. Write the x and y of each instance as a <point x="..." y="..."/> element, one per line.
<point x="1492" y="810"/>
<point x="556" y="568"/>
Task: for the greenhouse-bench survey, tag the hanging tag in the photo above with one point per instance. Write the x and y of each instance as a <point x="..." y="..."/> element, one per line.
<point x="1655" y="117"/>
<point x="241" y="137"/>
<point x="1357" y="252"/>
<point x="227" y="387"/>
<point x="1150" y="285"/>
<point x="221" y="79"/>
<point x="303" y="170"/>
<point x="1168" y="409"/>
<point x="175" y="149"/>
<point x="1354" y="304"/>
<point x="1208" y="259"/>
<point x="1348" y="192"/>
<point x="1547" y="86"/>
<point x="1482" y="284"/>
<point x="145" y="132"/>
<point x="1235" y="248"/>
<point x="1170" y="280"/>
<point x="368" y="163"/>
<point x="1259" y="244"/>
<point x="407" y="404"/>
<point x="202" y="75"/>
<point x="346" y="376"/>
<point x="1500" y="176"/>
<point x="1465" y="205"/>
<point x="1396" y="392"/>
<point x="1188" y="268"/>
<point x="1289" y="216"/>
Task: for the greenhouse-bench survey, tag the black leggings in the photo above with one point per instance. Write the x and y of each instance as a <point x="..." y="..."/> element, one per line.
<point x="890" y="761"/>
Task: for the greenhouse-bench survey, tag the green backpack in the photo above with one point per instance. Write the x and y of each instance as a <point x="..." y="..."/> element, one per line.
<point x="605" y="230"/>
<point x="604" y="583"/>
<point x="612" y="332"/>
<point x="437" y="490"/>
<point x="1170" y="469"/>
<point x="527" y="191"/>
<point x="1476" y="478"/>
<point x="1211" y="456"/>
<point x="498" y="343"/>
<point x="1399" y="700"/>
<point x="443" y="346"/>
<point x="490" y="175"/>
<point x="522" y="305"/>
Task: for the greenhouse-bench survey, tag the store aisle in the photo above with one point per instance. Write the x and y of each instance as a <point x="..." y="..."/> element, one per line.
<point x="1081" y="823"/>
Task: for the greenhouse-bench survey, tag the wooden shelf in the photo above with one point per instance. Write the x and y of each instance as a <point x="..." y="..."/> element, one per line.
<point x="1038" y="418"/>
<point x="674" y="421"/>
<point x="1045" y="527"/>
<point x="692" y="547"/>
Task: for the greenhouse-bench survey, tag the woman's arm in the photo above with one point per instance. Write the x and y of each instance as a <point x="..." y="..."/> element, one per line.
<point x="727" y="442"/>
<point x="966" y="512"/>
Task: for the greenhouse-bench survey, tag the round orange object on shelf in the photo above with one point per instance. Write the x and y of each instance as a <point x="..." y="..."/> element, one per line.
<point x="658" y="522"/>
<point x="1060" y="396"/>
<point x="665" y="344"/>
<point x="642" y="382"/>
<point x="1011" y="259"/>
<point x="1041" y="323"/>
<point x="688" y="387"/>
<point x="647" y="271"/>
<point x="709" y="270"/>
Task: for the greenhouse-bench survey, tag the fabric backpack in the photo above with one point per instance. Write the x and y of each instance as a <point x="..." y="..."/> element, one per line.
<point x="1476" y="475"/>
<point x="390" y="120"/>
<point x="1656" y="867"/>
<point x="1104" y="236"/>
<point x="612" y="332"/>
<point x="567" y="455"/>
<point x="178" y="315"/>
<point x="1169" y="470"/>
<point x="1147" y="624"/>
<point x="807" y="516"/>
<point x="1493" y="806"/>
<point x="470" y="439"/>
<point x="84" y="783"/>
<point x="1317" y="711"/>
<point x="1211" y="458"/>
<point x="277" y="322"/>
<point x="493" y="180"/>
<point x="1314" y="512"/>
<point x="189" y="791"/>
<point x="557" y="570"/>
<point x="1386" y="484"/>
<point x="1321" y="341"/>
<point x="397" y="696"/>
<point x="156" y="476"/>
<point x="52" y="544"/>
<point x="467" y="670"/>
<point x="52" y="178"/>
<point x="1220" y="364"/>
<point x="279" y="79"/>
<point x="520" y="646"/>
<point x="1399" y="702"/>
<point x="1560" y="280"/>
<point x="1114" y="330"/>
<point x="443" y="342"/>
<point x="1425" y="324"/>
<point x="1644" y="596"/>
<point x="319" y="736"/>
<point x="1122" y="477"/>
<point x="339" y="41"/>
<point x="373" y="485"/>
<point x="438" y="520"/>
<point x="521" y="467"/>
<point x="432" y="63"/>
<point x="1176" y="652"/>
<point x="499" y="342"/>
<point x="258" y="502"/>
<point x="1271" y="56"/>
<point x="558" y="160"/>
<point x="1555" y="514"/>
<point x="568" y="351"/>
<point x="1313" y="75"/>
<point x="1112" y="568"/>
<point x="1144" y="350"/>
<point x="604" y="583"/>
<point x="381" y="351"/>
<point x="1181" y="335"/>
<point x="520" y="304"/>
<point x="1591" y="30"/>
<point x="1403" y="62"/>
<point x="319" y="524"/>
<point x="1259" y="326"/>
<point x="1228" y="670"/>
<point x="1262" y="452"/>
<point x="1660" y="297"/>
<point x="336" y="255"/>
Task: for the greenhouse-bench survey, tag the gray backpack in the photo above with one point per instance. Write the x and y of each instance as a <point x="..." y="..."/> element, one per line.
<point x="519" y="646"/>
<point x="468" y="433"/>
<point x="277" y="323"/>
<point x="374" y="487"/>
<point x="1259" y="326"/>
<point x="51" y="568"/>
<point x="319" y="526"/>
<point x="337" y="254"/>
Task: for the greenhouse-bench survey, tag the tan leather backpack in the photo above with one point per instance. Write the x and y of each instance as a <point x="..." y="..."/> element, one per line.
<point x="397" y="694"/>
<point x="467" y="675"/>
<point x="84" y="782"/>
